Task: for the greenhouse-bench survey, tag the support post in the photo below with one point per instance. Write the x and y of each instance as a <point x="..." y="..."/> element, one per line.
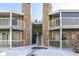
<point x="42" y="40"/>
<point x="60" y="38"/>
<point x="60" y="30"/>
<point x="37" y="39"/>
<point x="10" y="29"/>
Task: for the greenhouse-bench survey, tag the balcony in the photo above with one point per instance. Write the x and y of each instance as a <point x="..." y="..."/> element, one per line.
<point x="54" y="24"/>
<point x="67" y="23"/>
<point x="16" y="24"/>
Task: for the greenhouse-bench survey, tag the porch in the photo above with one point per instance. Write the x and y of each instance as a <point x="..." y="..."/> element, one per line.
<point x="15" y="43"/>
<point x="66" y="40"/>
<point x="6" y="42"/>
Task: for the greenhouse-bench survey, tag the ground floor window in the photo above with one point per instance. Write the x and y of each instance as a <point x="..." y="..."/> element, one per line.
<point x="5" y="39"/>
<point x="5" y="36"/>
<point x="64" y="36"/>
<point x="56" y="36"/>
<point x="15" y="36"/>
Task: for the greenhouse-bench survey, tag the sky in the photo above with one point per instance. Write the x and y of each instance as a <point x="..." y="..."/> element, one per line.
<point x="10" y="6"/>
<point x="36" y="11"/>
<point x="36" y="8"/>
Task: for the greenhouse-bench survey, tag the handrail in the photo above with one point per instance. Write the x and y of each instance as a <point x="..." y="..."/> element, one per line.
<point x="65" y="21"/>
<point x="15" y="43"/>
<point x="15" y="23"/>
<point x="55" y="22"/>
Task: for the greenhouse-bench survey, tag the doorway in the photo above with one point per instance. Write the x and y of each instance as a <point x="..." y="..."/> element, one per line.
<point x="5" y="36"/>
<point x="34" y="39"/>
<point x="36" y="33"/>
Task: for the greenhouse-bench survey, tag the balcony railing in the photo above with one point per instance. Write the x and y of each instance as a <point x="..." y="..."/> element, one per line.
<point x="56" y="43"/>
<point x="55" y="22"/>
<point x="5" y="23"/>
<point x="15" y="43"/>
<point x="65" y="21"/>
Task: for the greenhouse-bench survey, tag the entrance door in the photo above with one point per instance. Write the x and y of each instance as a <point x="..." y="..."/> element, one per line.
<point x="34" y="39"/>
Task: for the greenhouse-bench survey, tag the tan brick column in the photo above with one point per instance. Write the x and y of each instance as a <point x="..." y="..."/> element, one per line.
<point x="26" y="9"/>
<point x="47" y="7"/>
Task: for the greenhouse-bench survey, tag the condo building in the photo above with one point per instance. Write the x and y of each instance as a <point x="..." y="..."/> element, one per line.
<point x="64" y="27"/>
<point x="11" y="26"/>
<point x="57" y="28"/>
<point x="15" y="28"/>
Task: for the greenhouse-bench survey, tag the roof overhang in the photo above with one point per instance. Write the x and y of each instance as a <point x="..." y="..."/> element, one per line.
<point x="7" y="14"/>
<point x="63" y="10"/>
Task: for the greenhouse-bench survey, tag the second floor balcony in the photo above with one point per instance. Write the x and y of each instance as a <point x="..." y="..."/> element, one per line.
<point x="15" y="24"/>
<point x="67" y="23"/>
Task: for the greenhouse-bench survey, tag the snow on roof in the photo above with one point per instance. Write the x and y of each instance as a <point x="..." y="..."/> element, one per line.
<point x="64" y="10"/>
<point x="7" y="12"/>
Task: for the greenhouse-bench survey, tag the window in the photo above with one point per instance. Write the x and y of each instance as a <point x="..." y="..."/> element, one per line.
<point x="57" y="22"/>
<point x="77" y="36"/>
<point x="14" y="22"/>
<point x="56" y="36"/>
<point x="5" y="36"/>
<point x="15" y="37"/>
<point x="70" y="14"/>
<point x="64" y="36"/>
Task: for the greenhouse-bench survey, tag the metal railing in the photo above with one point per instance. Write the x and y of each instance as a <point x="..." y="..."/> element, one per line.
<point x="15" y="43"/>
<point x="55" y="22"/>
<point x="56" y="43"/>
<point x="15" y="23"/>
<point x="65" y="21"/>
<point x="4" y="22"/>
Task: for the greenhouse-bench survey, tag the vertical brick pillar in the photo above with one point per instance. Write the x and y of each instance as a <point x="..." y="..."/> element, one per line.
<point x="47" y="8"/>
<point x="27" y="19"/>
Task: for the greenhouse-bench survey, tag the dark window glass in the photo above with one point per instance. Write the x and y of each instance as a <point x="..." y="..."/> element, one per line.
<point x="14" y="22"/>
<point x="64" y="36"/>
<point x="70" y="14"/>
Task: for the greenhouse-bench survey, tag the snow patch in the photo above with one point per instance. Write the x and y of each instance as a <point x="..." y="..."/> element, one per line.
<point x="55" y="52"/>
<point x="25" y="50"/>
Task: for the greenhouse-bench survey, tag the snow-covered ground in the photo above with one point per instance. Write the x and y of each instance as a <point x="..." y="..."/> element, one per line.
<point x="26" y="50"/>
<point x="18" y="51"/>
<point x="55" y="52"/>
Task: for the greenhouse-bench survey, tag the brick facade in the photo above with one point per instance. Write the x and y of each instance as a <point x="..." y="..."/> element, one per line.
<point x="27" y="19"/>
<point x="47" y="8"/>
